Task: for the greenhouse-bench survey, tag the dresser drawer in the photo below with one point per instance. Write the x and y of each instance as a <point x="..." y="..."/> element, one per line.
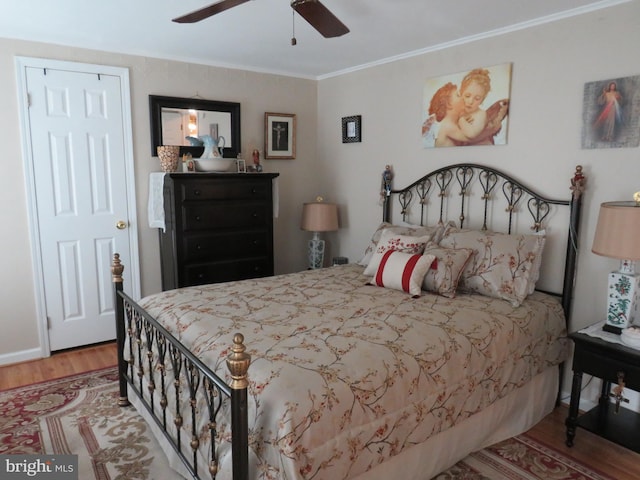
<point x="224" y="190"/>
<point x="217" y="272"/>
<point x="208" y="215"/>
<point x="226" y="246"/>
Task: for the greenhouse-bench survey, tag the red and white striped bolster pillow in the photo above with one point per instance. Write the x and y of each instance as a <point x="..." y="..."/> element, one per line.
<point x="403" y="271"/>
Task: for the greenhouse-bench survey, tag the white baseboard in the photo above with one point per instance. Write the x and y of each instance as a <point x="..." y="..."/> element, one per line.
<point x="21" y="356"/>
<point x="585" y="404"/>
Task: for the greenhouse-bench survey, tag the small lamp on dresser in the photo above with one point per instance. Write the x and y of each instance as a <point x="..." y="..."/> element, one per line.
<point x="618" y="236"/>
<point x="318" y="217"/>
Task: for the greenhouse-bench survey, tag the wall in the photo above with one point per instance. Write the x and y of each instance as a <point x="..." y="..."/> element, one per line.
<point x="551" y="64"/>
<point x="257" y="93"/>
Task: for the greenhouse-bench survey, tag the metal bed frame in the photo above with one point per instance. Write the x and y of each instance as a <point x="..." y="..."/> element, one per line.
<point x="138" y="332"/>
<point x="436" y="188"/>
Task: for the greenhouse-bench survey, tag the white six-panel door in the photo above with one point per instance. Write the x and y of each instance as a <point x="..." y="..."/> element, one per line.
<point x="79" y="159"/>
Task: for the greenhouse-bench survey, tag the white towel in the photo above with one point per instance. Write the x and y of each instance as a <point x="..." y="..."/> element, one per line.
<point x="156" y="200"/>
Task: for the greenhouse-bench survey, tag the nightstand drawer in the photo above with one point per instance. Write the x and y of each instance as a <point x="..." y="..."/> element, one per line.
<point x="605" y="363"/>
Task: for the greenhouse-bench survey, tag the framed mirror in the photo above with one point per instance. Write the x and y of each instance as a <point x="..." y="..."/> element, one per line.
<point x="175" y="118"/>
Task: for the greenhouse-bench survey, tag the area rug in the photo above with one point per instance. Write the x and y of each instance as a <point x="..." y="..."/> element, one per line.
<point x="79" y="415"/>
<point x="520" y="458"/>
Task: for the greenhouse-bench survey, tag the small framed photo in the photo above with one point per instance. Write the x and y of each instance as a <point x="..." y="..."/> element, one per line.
<point x="352" y="129"/>
<point x="279" y="136"/>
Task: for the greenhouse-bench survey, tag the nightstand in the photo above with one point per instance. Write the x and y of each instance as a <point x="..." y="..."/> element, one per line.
<point x="616" y="365"/>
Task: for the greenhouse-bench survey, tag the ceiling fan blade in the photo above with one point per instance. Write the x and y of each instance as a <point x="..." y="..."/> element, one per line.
<point x="320" y="17"/>
<point x="206" y="12"/>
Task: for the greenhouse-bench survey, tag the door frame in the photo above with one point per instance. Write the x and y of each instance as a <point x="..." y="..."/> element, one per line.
<point x="133" y="270"/>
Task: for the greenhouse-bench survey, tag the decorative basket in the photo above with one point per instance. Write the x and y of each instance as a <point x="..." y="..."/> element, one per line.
<point x="169" y="156"/>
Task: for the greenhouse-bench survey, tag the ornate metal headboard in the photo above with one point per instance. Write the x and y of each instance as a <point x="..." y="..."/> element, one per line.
<point x="435" y="193"/>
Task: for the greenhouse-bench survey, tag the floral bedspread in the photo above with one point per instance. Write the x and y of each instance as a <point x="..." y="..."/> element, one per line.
<point x="345" y="375"/>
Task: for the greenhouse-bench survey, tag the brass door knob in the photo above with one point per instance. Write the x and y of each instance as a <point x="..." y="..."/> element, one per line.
<point x="121" y="224"/>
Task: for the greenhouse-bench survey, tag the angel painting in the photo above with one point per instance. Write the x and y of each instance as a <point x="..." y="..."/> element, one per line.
<point x="455" y="114"/>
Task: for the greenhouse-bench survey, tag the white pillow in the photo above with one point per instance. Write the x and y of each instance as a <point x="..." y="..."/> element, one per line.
<point x="503" y="266"/>
<point x="403" y="271"/>
<point x="434" y="231"/>
<point x="443" y="278"/>
<point x="393" y="241"/>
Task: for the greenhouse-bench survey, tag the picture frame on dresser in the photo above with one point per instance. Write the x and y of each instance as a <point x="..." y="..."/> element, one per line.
<point x="280" y="136"/>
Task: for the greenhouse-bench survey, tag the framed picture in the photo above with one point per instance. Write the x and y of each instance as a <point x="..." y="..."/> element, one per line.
<point x="352" y="129"/>
<point x="467" y="108"/>
<point x="279" y="136"/>
<point x="611" y="113"/>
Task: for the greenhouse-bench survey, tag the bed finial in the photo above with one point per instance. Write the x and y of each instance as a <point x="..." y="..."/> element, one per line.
<point x="238" y="363"/>
<point x="387" y="177"/>
<point x="578" y="182"/>
<point x="116" y="269"/>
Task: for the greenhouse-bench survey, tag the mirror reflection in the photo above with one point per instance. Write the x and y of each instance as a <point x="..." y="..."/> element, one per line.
<point x="173" y="119"/>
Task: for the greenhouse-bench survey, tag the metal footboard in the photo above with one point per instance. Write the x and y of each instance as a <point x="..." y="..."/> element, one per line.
<point x="153" y="365"/>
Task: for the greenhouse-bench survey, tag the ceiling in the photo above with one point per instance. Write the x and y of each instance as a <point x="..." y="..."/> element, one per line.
<point x="257" y="35"/>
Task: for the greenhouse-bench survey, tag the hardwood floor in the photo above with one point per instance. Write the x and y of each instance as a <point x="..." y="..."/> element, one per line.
<point x="599" y="454"/>
<point x="60" y="364"/>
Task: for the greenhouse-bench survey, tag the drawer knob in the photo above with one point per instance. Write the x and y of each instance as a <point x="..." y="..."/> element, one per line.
<point x="196" y="192"/>
<point x="197" y="218"/>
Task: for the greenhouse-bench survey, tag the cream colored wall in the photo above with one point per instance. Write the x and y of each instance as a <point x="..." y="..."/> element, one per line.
<point x="551" y="64"/>
<point x="257" y="93"/>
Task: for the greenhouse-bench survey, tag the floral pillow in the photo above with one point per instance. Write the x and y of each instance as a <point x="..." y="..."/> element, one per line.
<point x="393" y="241"/>
<point x="444" y="276"/>
<point x="503" y="266"/>
<point x="403" y="271"/>
<point x="414" y="230"/>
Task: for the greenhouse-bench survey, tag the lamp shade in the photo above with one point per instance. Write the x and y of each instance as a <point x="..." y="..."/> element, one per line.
<point x="618" y="231"/>
<point x="319" y="217"/>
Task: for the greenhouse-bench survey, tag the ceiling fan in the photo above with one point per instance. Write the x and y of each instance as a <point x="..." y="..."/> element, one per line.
<point x="314" y="12"/>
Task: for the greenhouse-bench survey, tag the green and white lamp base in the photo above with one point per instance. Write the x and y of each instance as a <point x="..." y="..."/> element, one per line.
<point x="622" y="297"/>
<point x="316" y="252"/>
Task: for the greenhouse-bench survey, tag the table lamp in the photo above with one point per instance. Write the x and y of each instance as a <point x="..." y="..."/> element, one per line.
<point x="318" y="217"/>
<point x="618" y="236"/>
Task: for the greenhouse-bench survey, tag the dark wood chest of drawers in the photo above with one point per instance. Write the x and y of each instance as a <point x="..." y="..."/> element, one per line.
<point x="219" y="227"/>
